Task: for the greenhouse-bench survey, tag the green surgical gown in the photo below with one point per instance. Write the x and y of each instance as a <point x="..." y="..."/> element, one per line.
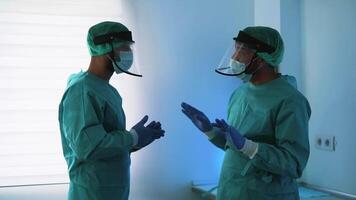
<point x="96" y="145"/>
<point x="275" y="115"/>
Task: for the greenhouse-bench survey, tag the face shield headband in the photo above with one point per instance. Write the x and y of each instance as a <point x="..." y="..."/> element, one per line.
<point x="253" y="43"/>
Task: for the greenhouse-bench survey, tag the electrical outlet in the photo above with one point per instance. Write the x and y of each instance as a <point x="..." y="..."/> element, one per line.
<point x="325" y="142"/>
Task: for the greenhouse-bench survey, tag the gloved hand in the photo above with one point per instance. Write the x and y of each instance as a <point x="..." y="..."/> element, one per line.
<point x="232" y="135"/>
<point x="199" y="119"/>
<point x="147" y="134"/>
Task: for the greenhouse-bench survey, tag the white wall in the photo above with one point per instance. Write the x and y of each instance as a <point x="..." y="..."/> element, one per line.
<point x="268" y="13"/>
<point x="290" y="29"/>
<point x="329" y="71"/>
<point x="180" y="43"/>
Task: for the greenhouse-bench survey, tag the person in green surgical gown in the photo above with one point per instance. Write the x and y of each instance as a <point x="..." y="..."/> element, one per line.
<point x="265" y="138"/>
<point x="95" y="141"/>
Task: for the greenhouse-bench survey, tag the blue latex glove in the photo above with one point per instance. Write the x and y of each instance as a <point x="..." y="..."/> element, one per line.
<point x="199" y="119"/>
<point x="233" y="135"/>
<point x="147" y="134"/>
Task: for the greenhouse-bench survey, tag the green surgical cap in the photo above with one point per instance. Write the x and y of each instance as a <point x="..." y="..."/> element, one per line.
<point x="102" y="29"/>
<point x="270" y="37"/>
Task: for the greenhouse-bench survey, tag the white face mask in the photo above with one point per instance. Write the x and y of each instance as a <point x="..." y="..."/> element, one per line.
<point x="237" y="67"/>
<point x="124" y="60"/>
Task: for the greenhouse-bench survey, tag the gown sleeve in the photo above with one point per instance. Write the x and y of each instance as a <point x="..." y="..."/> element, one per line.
<point x="289" y="155"/>
<point x="81" y="116"/>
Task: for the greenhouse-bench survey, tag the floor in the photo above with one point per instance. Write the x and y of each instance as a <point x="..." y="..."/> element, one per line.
<point x="323" y="198"/>
<point x="43" y="192"/>
<point x="308" y="195"/>
<point x="59" y="192"/>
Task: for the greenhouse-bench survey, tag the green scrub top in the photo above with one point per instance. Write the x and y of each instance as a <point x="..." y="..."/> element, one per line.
<point x="275" y="115"/>
<point x="96" y="145"/>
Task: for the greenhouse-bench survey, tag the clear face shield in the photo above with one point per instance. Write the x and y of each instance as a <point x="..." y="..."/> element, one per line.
<point x="236" y="59"/>
<point x="123" y="52"/>
<point x="124" y="60"/>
